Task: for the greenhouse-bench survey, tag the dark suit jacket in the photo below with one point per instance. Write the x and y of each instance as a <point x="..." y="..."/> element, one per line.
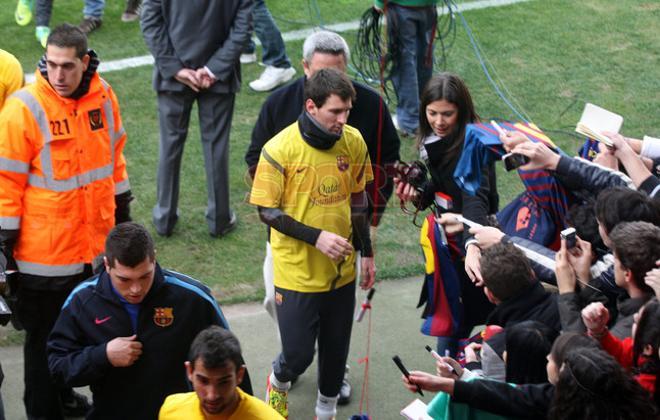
<point x="197" y="33"/>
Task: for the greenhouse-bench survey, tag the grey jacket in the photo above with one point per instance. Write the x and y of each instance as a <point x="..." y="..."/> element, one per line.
<point x="197" y="33"/>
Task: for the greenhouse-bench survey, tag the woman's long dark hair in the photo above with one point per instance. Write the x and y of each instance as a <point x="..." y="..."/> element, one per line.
<point x="570" y="341"/>
<point x="648" y="334"/>
<point x="527" y="346"/>
<point x="451" y="88"/>
<point x="592" y="385"/>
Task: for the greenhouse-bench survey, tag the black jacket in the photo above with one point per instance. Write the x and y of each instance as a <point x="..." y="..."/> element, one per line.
<point x="534" y="303"/>
<point x="473" y="207"/>
<point x="173" y="312"/>
<point x="579" y="174"/>
<point x="522" y="401"/>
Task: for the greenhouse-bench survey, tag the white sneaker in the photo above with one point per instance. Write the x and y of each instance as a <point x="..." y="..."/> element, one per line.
<point x="271" y="78"/>
<point x="248" y="58"/>
<point x="395" y="121"/>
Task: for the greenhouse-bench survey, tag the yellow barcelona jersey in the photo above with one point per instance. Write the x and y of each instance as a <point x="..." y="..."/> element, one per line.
<point x="314" y="187"/>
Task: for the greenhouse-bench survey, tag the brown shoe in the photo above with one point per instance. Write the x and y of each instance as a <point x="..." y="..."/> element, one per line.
<point x="132" y="12"/>
<point x="90" y="24"/>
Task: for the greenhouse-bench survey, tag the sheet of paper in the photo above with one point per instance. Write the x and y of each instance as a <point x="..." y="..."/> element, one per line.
<point x="416" y="410"/>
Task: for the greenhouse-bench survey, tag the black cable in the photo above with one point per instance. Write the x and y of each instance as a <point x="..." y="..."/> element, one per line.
<point x="375" y="48"/>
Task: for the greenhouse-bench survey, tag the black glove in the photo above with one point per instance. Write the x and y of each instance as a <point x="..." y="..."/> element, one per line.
<point x="8" y="238"/>
<point x="123" y="209"/>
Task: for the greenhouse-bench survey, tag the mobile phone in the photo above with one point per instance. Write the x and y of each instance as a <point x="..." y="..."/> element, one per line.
<point x="514" y="160"/>
<point x="402" y="368"/>
<point x="569" y="236"/>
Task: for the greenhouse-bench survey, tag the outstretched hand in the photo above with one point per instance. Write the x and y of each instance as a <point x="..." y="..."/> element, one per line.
<point x="405" y="191"/>
<point x="428" y="382"/>
<point x="540" y="156"/>
<point x="595" y="317"/>
<point x="473" y="264"/>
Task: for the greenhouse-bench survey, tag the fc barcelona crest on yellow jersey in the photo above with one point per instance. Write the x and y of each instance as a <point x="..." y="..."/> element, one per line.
<point x="342" y="163"/>
<point x="163" y="317"/>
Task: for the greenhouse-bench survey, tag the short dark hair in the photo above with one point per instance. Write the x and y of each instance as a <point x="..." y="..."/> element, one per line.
<point x="569" y="341"/>
<point x="621" y="204"/>
<point x="215" y="346"/>
<point x="582" y="216"/>
<point x="129" y="243"/>
<point x="326" y="82"/>
<point x="506" y="271"/>
<point x="527" y="346"/>
<point x="69" y="36"/>
<point x="637" y="247"/>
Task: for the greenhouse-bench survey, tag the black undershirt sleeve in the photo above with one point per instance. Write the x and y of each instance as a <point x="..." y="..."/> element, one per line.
<point x="360" y="222"/>
<point x="283" y="223"/>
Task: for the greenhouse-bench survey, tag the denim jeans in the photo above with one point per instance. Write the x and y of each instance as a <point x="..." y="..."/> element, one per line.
<point x="411" y="29"/>
<point x="43" y="11"/>
<point x="274" y="51"/>
<point x="94" y="8"/>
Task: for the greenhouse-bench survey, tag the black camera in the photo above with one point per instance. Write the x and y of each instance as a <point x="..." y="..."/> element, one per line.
<point x="415" y="173"/>
<point x="569" y="236"/>
<point x="514" y="160"/>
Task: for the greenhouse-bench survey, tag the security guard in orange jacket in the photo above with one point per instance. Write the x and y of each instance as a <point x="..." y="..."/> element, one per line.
<point x="63" y="186"/>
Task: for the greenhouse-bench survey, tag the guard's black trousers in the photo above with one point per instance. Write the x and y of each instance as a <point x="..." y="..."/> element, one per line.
<point x="38" y="310"/>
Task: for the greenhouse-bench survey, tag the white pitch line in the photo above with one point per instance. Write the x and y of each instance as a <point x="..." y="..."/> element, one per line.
<point x="147" y="60"/>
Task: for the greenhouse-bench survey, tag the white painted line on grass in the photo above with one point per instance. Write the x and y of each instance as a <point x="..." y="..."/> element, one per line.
<point x="147" y="60"/>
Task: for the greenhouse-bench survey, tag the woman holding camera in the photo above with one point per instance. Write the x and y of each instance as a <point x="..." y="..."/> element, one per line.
<point x="445" y="111"/>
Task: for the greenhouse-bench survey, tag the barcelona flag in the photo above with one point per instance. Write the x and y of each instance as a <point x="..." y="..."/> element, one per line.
<point x="538" y="214"/>
<point x="441" y="292"/>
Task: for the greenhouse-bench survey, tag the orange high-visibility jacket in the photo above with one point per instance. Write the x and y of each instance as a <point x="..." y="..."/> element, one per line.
<point x="61" y="165"/>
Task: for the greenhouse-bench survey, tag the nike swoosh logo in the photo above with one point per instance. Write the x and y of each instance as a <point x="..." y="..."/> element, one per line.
<point x="101" y="321"/>
<point x="300" y="170"/>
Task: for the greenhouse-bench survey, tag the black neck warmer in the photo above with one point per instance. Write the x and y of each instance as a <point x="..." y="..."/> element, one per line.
<point x="83" y="87"/>
<point x="314" y="134"/>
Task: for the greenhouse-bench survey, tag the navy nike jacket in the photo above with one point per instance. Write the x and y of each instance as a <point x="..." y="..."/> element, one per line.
<point x="171" y="314"/>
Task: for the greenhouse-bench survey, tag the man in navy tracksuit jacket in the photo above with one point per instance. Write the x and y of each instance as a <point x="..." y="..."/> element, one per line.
<point x="126" y="332"/>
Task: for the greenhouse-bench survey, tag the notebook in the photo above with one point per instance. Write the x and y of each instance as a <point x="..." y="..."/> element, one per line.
<point x="596" y="120"/>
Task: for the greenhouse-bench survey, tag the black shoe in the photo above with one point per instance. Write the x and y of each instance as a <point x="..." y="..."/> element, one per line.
<point x="75" y="405"/>
<point x="90" y="24"/>
<point x="233" y="222"/>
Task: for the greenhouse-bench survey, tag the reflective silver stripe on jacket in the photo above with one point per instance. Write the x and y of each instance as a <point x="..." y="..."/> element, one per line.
<point x="48" y="181"/>
<point x="10" y="222"/>
<point x="122" y="187"/>
<point x="11" y="165"/>
<point x="46" y="270"/>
